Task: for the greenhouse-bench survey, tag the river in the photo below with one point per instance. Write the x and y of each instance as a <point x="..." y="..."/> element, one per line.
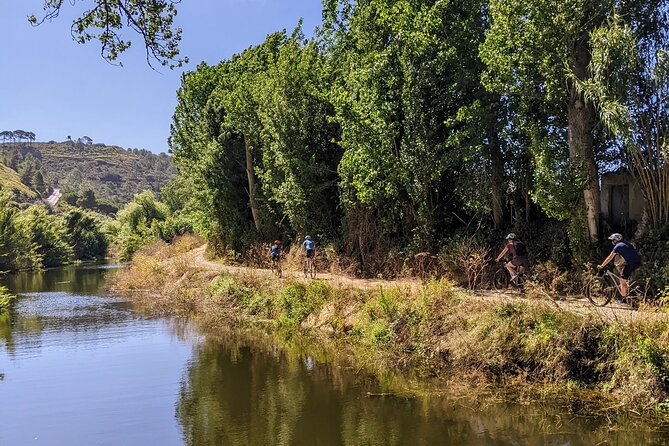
<point x="81" y="367"/>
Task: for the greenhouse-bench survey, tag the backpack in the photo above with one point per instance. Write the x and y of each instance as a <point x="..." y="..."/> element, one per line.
<point x="521" y="249"/>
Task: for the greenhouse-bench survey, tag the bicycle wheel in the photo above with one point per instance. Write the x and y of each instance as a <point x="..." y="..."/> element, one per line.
<point x="500" y="280"/>
<point x="600" y="291"/>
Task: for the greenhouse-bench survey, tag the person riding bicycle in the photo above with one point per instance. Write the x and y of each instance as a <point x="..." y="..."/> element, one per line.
<point x="631" y="260"/>
<point x="518" y="263"/>
<point x="309" y="247"/>
<point x="275" y="251"/>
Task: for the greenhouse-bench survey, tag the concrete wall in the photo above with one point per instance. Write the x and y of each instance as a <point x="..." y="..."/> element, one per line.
<point x="636" y="200"/>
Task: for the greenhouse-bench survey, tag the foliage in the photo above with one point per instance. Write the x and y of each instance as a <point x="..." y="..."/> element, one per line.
<point x="85" y="236"/>
<point x="111" y="174"/>
<point x="105" y="20"/>
<point x="403" y="123"/>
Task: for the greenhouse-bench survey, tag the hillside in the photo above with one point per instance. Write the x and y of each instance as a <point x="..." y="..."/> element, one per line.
<point x="10" y="180"/>
<point x="112" y="173"/>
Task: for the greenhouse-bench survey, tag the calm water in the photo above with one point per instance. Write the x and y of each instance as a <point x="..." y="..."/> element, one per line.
<point x="79" y="367"/>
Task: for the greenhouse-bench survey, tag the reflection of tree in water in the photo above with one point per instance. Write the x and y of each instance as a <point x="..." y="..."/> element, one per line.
<point x="6" y="330"/>
<point x="72" y="279"/>
<point x="266" y="395"/>
<point x="237" y="397"/>
<point x="9" y="325"/>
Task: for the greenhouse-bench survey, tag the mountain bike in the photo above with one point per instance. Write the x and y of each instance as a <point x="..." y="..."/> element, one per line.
<point x="309" y="268"/>
<point x="276" y="266"/>
<point x="606" y="286"/>
<point x="501" y="279"/>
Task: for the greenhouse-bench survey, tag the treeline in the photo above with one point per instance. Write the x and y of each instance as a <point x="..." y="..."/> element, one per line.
<point x="36" y="237"/>
<point x="86" y="172"/>
<point x="404" y="124"/>
<point x="33" y="238"/>
<point x="17" y="136"/>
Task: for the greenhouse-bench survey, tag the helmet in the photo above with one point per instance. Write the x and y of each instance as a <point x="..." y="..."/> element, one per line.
<point x="511" y="236"/>
<point x="616" y="237"/>
<point x="277" y="242"/>
<point x="306" y="237"/>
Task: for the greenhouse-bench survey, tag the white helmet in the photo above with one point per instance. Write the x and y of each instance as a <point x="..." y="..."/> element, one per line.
<point x="511" y="236"/>
<point x="616" y="237"/>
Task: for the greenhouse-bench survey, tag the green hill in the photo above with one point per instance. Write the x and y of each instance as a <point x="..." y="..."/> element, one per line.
<point x="113" y="174"/>
<point x="10" y="180"/>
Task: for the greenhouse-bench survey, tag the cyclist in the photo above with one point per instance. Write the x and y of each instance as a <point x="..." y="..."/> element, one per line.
<point x="518" y="263"/>
<point x="275" y="251"/>
<point x="310" y="248"/>
<point x="631" y="260"/>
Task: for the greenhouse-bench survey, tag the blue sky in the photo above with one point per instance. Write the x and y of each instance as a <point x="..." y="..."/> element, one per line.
<point x="54" y="87"/>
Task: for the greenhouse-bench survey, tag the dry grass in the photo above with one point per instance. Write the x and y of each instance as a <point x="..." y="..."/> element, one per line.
<point x="437" y="328"/>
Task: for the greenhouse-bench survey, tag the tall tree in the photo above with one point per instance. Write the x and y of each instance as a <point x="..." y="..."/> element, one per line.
<point x="537" y="52"/>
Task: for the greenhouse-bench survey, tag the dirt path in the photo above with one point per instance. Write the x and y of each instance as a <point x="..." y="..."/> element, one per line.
<point x="196" y="256"/>
<point x="574" y="304"/>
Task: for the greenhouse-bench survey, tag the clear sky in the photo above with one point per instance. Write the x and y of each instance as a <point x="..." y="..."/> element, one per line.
<point x="55" y="87"/>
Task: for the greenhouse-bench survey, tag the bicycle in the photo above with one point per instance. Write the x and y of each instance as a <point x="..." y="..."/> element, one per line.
<point x="501" y="279"/>
<point x="309" y="268"/>
<point x="606" y="285"/>
<point x="276" y="266"/>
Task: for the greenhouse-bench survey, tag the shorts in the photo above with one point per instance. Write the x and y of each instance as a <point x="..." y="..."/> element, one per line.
<point x="276" y="256"/>
<point x="520" y="260"/>
<point x="628" y="269"/>
<point x="310" y="253"/>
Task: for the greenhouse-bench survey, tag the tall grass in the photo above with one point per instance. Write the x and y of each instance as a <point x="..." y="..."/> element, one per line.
<point x="437" y="328"/>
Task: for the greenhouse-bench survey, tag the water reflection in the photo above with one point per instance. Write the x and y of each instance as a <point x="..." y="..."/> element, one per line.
<point x="84" y="369"/>
<point x="241" y="394"/>
<point x="79" y="367"/>
<point x="82" y="279"/>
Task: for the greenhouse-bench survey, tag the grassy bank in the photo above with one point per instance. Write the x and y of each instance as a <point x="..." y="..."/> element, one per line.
<point x="434" y="330"/>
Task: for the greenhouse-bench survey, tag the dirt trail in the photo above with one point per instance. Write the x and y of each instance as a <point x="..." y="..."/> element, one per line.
<point x="196" y="257"/>
<point x="574" y="304"/>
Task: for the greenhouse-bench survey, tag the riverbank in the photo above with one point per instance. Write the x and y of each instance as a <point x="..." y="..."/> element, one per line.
<point x="432" y="329"/>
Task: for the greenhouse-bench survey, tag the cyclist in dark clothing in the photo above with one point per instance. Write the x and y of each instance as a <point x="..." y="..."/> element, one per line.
<point x="632" y="260"/>
<point x="275" y="250"/>
<point x="519" y="263"/>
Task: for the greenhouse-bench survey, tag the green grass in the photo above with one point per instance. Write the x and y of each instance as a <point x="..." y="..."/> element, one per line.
<point x="440" y="329"/>
<point x="9" y="180"/>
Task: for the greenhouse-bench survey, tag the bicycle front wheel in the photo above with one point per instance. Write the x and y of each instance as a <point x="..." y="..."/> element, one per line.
<point x="600" y="291"/>
<point x="500" y="281"/>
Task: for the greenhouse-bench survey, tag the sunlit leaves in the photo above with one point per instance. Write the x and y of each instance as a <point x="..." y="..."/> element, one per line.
<point x="152" y="20"/>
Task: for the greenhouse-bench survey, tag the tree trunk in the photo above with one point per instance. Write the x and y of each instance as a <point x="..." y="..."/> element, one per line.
<point x="497" y="181"/>
<point x="252" y="185"/>
<point x="580" y="119"/>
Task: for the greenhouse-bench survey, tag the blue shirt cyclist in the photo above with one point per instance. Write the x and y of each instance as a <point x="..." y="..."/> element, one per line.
<point x="309" y="246"/>
<point x="632" y="260"/>
<point x="625" y="250"/>
<point x="275" y="250"/>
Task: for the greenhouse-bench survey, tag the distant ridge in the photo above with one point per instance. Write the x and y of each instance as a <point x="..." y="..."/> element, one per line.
<point x="112" y="173"/>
